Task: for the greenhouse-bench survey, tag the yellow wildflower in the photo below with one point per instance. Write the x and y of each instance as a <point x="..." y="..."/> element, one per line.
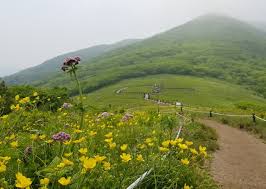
<point x="203" y="150"/>
<point x="44" y="181"/>
<point x="14" y="144"/>
<point x="112" y="145"/>
<point x="163" y="149"/>
<point x="109" y="140"/>
<point x="187" y="186"/>
<point x="19" y="161"/>
<point x="193" y="151"/>
<point x="189" y="143"/>
<point x="139" y="158"/>
<point x="49" y="141"/>
<point x="67" y="142"/>
<point x="166" y="143"/>
<point x="13" y="136"/>
<point x="17" y="97"/>
<point x="89" y="164"/>
<point x="42" y="137"/>
<point x="99" y="158"/>
<point x="151" y="144"/>
<point x="109" y="135"/>
<point x="17" y="107"/>
<point x="79" y="140"/>
<point x="185" y="161"/>
<point x="5" y="158"/>
<point x="179" y="140"/>
<point x="2" y="167"/>
<point x="82" y="158"/>
<point x="106" y="165"/>
<point x="12" y="107"/>
<point x="141" y="146"/>
<point x="148" y="140"/>
<point x="64" y="181"/>
<point x="35" y="94"/>
<point x="67" y="162"/>
<point x="182" y="146"/>
<point x="22" y="181"/>
<point x="125" y="157"/>
<point x="78" y="131"/>
<point x="173" y="142"/>
<point x="4" y="117"/>
<point x="68" y="154"/>
<point x="83" y="151"/>
<point x="123" y="147"/>
<point x="33" y="136"/>
<point x="61" y="165"/>
<point x="92" y="133"/>
<point x="24" y="100"/>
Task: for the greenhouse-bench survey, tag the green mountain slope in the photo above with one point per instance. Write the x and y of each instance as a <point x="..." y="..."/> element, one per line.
<point x="191" y="91"/>
<point x="212" y="45"/>
<point x="51" y="67"/>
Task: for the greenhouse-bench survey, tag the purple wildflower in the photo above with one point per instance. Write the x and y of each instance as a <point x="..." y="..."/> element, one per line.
<point x="127" y="117"/>
<point x="61" y="137"/>
<point x="70" y="63"/>
<point x="67" y="105"/>
<point x="77" y="59"/>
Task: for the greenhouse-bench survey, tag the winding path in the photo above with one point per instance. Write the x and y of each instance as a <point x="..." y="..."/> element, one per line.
<point x="241" y="161"/>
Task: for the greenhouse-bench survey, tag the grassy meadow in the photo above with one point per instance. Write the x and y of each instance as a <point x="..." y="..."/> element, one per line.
<point x="191" y="91"/>
<point x="199" y="94"/>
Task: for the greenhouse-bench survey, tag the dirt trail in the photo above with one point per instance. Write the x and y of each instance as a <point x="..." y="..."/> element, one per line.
<point x="241" y="161"/>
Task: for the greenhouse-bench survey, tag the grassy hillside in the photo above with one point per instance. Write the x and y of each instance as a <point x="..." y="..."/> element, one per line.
<point x="192" y="91"/>
<point x="51" y="67"/>
<point x="211" y="45"/>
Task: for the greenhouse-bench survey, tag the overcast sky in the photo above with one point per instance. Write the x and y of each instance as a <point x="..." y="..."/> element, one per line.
<point x="33" y="31"/>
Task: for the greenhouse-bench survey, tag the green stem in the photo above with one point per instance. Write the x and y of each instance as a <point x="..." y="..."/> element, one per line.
<point x="81" y="103"/>
<point x="81" y="100"/>
<point x="79" y="87"/>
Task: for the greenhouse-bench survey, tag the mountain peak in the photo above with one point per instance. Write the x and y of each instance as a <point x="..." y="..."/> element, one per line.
<point x="218" y="18"/>
<point x="215" y="15"/>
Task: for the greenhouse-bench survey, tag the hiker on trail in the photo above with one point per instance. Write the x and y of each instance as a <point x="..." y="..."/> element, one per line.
<point x="146" y="96"/>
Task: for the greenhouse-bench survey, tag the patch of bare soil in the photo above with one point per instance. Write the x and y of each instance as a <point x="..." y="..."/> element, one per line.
<point x="240" y="163"/>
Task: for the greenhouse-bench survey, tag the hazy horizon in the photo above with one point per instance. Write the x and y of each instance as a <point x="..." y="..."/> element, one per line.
<point x="37" y="31"/>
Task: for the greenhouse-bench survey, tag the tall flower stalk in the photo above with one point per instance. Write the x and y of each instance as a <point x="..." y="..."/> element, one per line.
<point x="70" y="66"/>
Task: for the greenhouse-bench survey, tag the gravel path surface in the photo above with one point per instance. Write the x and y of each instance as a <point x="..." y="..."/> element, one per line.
<point x="241" y="161"/>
